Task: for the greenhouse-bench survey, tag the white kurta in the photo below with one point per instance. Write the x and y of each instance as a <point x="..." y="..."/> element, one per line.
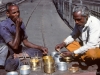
<point x="90" y="35"/>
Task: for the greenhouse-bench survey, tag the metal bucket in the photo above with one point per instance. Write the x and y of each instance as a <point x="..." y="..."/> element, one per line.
<point x="62" y="66"/>
<point x="49" y="69"/>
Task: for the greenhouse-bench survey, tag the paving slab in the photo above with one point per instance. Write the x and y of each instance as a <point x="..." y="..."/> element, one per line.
<point x="44" y="26"/>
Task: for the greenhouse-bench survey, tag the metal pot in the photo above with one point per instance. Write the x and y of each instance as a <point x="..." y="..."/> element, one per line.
<point x="49" y="69"/>
<point x="53" y="53"/>
<point x="62" y="66"/>
<point x="57" y="58"/>
<point x="48" y="60"/>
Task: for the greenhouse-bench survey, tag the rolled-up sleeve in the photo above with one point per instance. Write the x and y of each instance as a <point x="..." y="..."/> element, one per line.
<point x="74" y="35"/>
<point x="24" y="32"/>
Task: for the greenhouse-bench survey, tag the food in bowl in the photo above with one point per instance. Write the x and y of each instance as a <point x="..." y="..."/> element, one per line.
<point x="74" y="69"/>
<point x="25" y="67"/>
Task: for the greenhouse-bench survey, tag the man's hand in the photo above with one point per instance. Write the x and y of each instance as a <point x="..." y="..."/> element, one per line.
<point x="67" y="54"/>
<point x="60" y="46"/>
<point x="45" y="50"/>
<point x="19" y="22"/>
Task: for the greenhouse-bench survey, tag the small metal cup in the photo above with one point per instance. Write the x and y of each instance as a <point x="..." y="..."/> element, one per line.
<point x="12" y="73"/>
<point x="35" y="63"/>
<point x="74" y="69"/>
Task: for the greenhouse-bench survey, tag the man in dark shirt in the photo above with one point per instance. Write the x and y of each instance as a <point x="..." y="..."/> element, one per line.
<point x="12" y="33"/>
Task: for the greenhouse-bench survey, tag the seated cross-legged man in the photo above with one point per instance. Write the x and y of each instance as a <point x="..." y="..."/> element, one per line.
<point x="88" y="28"/>
<point x="12" y="34"/>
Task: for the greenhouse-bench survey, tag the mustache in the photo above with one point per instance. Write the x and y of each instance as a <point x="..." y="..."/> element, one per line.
<point x="78" y="24"/>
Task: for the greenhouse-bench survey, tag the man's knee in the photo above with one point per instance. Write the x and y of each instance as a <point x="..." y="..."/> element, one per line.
<point x="11" y="64"/>
<point x="91" y="54"/>
<point x="3" y="54"/>
<point x="4" y="49"/>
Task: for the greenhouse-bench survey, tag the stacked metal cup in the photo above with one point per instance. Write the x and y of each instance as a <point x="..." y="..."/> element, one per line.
<point x="49" y="64"/>
<point x="34" y="63"/>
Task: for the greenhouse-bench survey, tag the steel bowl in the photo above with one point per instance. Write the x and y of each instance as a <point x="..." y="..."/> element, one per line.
<point x="25" y="69"/>
<point x="12" y="73"/>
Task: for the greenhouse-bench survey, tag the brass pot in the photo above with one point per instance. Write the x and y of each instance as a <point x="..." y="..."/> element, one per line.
<point x="48" y="60"/>
<point x="49" y="69"/>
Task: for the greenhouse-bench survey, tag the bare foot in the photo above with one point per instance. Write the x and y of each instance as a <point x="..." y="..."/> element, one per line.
<point x="21" y="55"/>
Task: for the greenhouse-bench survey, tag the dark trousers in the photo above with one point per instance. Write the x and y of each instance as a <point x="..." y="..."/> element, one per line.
<point x="98" y="64"/>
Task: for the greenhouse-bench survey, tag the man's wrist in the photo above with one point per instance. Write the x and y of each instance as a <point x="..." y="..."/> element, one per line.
<point x="64" y="44"/>
<point x="73" y="55"/>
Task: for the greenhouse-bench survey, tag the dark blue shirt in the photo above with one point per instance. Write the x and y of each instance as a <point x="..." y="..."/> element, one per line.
<point x="8" y="31"/>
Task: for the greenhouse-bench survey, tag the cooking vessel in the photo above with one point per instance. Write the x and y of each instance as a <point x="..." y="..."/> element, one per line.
<point x="48" y="60"/>
<point x="62" y="66"/>
<point x="49" y="69"/>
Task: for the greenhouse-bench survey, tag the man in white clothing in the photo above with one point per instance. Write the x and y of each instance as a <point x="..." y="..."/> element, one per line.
<point x="88" y="28"/>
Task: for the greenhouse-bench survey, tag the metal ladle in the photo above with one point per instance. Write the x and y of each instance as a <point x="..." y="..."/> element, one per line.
<point x="60" y="53"/>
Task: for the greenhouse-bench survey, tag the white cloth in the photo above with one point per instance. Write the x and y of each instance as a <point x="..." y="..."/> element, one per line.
<point x="90" y="34"/>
